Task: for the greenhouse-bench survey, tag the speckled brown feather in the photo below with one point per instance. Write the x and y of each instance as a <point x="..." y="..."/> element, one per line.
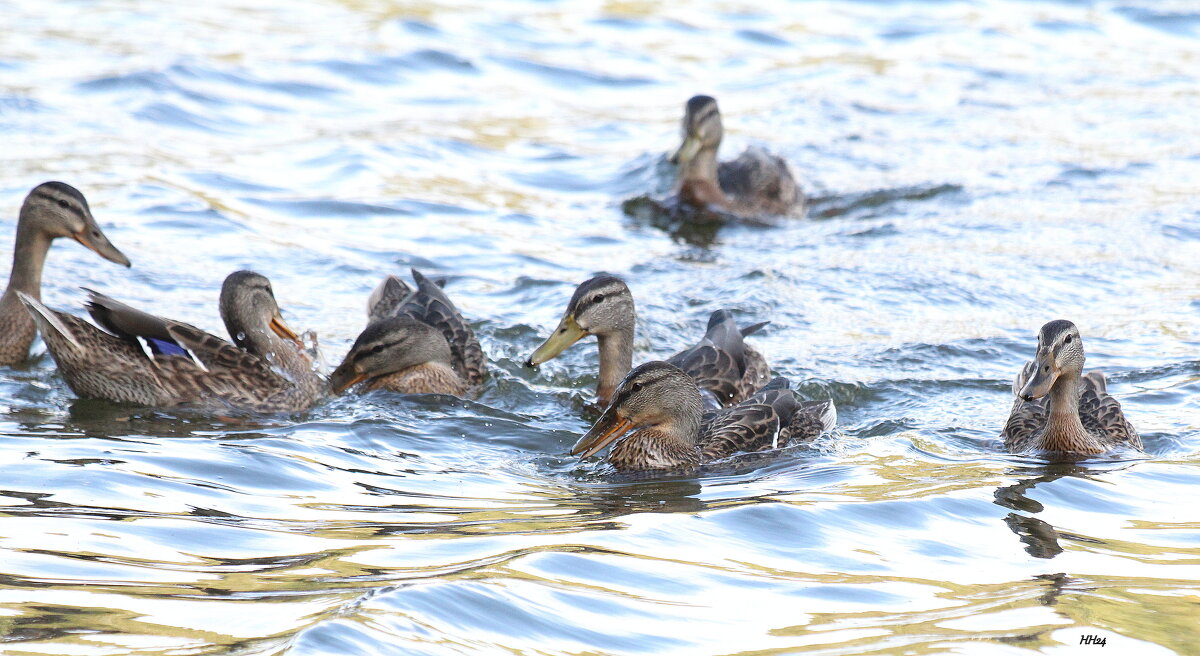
<point x="17" y="330"/>
<point x="387" y="298"/>
<point x="430" y="305"/>
<point x="748" y="426"/>
<point x="428" y="378"/>
<point x="714" y="369"/>
<point x="758" y="373"/>
<point x="722" y="365"/>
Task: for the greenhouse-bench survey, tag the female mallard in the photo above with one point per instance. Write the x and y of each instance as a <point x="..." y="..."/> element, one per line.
<point x="152" y="361"/>
<point x="1058" y="409"/>
<point x="662" y="406"/>
<point x="51" y="210"/>
<point x="727" y="369"/>
<point x="757" y="183"/>
<point x="416" y="343"/>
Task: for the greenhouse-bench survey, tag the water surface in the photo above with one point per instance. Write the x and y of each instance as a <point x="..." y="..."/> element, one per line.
<point x="978" y="168"/>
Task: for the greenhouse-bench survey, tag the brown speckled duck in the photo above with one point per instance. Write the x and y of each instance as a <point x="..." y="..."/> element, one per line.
<point x="144" y="359"/>
<point x="727" y="369"/>
<point x="51" y="210"/>
<point x="1058" y="409"/>
<point x="416" y="343"/>
<point x="656" y="421"/>
<point x="755" y="184"/>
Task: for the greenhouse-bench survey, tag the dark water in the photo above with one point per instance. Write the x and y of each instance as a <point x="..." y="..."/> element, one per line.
<point x="979" y="169"/>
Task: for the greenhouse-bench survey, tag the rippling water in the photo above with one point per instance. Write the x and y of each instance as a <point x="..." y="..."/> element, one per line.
<point x="979" y="168"/>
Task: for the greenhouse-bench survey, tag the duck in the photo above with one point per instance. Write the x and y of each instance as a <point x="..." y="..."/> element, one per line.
<point x="1060" y="410"/>
<point x="656" y="421"/>
<point x="755" y="184"/>
<point x="416" y="342"/>
<point x="727" y="369"/>
<point x="50" y="210"/>
<point x="136" y="357"/>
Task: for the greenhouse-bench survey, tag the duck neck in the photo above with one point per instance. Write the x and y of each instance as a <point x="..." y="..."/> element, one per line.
<point x="29" y="256"/>
<point x="655" y="448"/>
<point x="283" y="354"/>
<point x="616" y="359"/>
<point x="1064" y="430"/>
<point x="703" y="166"/>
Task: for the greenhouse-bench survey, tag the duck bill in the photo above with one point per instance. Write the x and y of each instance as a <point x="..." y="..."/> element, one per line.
<point x="607" y="429"/>
<point x="686" y="151"/>
<point x="567" y="333"/>
<point x="1042" y="380"/>
<point x="345" y="377"/>
<point x="93" y="239"/>
<point x="284" y="331"/>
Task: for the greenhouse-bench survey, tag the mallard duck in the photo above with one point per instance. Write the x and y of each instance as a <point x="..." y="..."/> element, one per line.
<point x="416" y="343"/>
<point x="153" y="361"/>
<point x="757" y="183"/>
<point x="727" y="369"/>
<point x="1060" y="410"/>
<point x="662" y="407"/>
<point x="51" y="210"/>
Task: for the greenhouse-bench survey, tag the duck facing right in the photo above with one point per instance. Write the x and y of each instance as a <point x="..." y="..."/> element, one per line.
<point x="1058" y="409"/>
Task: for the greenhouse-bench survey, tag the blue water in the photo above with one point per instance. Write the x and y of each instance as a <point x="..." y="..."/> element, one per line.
<point x="977" y="169"/>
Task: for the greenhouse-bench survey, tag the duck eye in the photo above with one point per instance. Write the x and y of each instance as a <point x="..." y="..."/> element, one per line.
<point x="1067" y="340"/>
<point x="63" y="204"/>
<point x="597" y="298"/>
<point x="378" y="348"/>
<point x="635" y="387"/>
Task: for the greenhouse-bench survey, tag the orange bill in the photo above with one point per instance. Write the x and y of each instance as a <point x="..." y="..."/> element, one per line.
<point x="606" y="430"/>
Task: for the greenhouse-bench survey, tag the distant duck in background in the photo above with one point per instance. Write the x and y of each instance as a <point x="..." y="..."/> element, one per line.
<point x="727" y="369"/>
<point x="416" y="342"/>
<point x="51" y="210"/>
<point x="656" y="421"/>
<point x="1060" y="410"/>
<point x="148" y="360"/>
<point x="755" y="184"/>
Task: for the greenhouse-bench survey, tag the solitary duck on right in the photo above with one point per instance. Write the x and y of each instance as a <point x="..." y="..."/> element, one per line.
<point x="1060" y="410"/>
<point x="755" y="184"/>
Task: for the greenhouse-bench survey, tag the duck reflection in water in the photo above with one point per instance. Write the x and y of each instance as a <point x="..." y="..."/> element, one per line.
<point x="1041" y="539"/>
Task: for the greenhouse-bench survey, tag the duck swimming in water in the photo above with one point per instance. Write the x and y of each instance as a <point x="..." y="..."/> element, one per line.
<point x="416" y="343"/>
<point x="755" y="184"/>
<point x="656" y="421"/>
<point x="51" y="210"/>
<point x="1058" y="409"/>
<point x="144" y="359"/>
<point x="727" y="369"/>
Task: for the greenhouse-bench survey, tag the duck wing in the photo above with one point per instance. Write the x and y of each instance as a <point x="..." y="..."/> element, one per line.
<point x="430" y="305"/>
<point x="760" y="181"/>
<point x="726" y="370"/>
<point x="1026" y="419"/>
<point x="748" y="426"/>
<point x="386" y="299"/>
<point x="716" y="370"/>
<point x="1101" y="414"/>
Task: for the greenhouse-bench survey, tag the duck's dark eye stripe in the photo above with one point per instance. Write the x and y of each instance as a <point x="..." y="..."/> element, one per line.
<point x="709" y="113"/>
<point x="64" y="203"/>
